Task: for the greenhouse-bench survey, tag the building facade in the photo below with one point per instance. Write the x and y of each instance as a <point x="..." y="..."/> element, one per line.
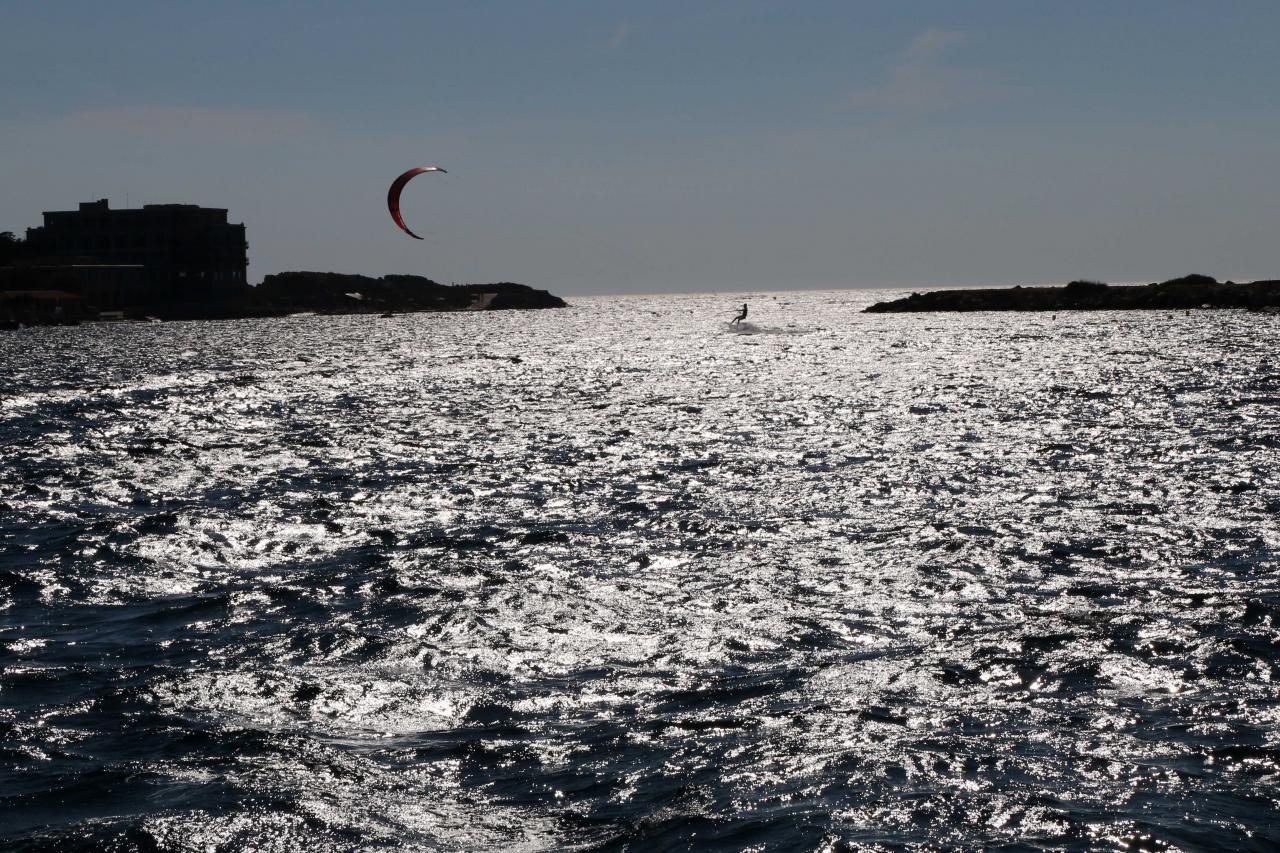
<point x="157" y="254"/>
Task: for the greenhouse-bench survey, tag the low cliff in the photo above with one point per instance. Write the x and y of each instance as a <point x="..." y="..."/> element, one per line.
<point x="1192" y="291"/>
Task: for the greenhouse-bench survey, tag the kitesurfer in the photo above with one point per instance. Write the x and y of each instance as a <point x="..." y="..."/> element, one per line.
<point x="742" y="315"/>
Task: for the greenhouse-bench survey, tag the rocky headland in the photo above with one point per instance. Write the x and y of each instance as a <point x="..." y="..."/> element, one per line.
<point x="1192" y="291"/>
<point x="338" y="293"/>
<point x="33" y="298"/>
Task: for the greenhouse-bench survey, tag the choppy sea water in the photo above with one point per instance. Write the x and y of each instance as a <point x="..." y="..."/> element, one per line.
<point x="619" y="577"/>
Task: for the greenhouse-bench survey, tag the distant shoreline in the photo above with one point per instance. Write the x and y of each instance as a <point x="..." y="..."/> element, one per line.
<point x="42" y="303"/>
<point x="1191" y="291"/>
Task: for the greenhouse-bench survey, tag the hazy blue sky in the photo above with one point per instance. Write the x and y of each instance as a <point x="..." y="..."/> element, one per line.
<point x="598" y="147"/>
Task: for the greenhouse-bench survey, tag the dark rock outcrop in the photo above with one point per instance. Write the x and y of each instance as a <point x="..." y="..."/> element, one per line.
<point x="1191" y="291"/>
<point x="34" y="296"/>
<point x="338" y="293"/>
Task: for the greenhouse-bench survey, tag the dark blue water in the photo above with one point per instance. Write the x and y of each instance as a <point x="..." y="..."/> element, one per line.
<point x="619" y="577"/>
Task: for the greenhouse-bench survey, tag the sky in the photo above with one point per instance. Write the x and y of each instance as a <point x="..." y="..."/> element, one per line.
<point x="603" y="147"/>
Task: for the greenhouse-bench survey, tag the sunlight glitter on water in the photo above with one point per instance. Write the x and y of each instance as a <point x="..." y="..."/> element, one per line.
<point x="623" y="575"/>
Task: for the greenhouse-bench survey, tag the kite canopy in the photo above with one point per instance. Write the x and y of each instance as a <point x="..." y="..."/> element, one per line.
<point x="393" y="195"/>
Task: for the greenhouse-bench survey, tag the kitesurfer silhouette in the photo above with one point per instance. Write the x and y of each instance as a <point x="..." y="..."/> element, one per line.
<point x="741" y="316"/>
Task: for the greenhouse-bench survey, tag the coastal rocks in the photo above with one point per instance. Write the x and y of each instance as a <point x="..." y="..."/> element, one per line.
<point x="338" y="293"/>
<point x="29" y="297"/>
<point x="1192" y="291"/>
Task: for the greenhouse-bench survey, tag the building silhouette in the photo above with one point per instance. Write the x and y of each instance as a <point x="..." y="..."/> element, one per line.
<point x="156" y="255"/>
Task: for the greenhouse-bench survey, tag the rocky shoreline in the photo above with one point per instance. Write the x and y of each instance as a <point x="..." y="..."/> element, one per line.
<point x="338" y="293"/>
<point x="282" y="294"/>
<point x="1192" y="291"/>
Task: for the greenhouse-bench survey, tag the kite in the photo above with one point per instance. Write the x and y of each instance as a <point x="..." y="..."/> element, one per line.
<point x="393" y="194"/>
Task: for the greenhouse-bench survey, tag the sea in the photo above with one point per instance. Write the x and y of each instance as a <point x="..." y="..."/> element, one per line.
<point x="624" y="576"/>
